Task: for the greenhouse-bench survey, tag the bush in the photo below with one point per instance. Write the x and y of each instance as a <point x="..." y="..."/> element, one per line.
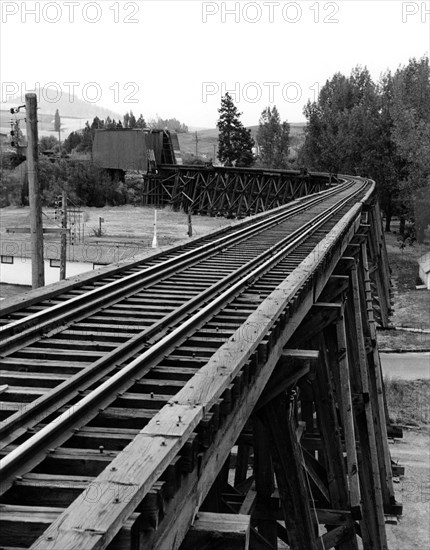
<point x="10" y="189"/>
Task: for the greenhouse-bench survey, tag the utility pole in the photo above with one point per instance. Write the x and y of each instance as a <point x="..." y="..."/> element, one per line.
<point x="37" y="262"/>
<point x="63" y="241"/>
<point x="197" y="144"/>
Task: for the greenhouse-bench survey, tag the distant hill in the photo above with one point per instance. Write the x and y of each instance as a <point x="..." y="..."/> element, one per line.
<point x="67" y="105"/>
<point x="74" y="112"/>
<point x="208" y="140"/>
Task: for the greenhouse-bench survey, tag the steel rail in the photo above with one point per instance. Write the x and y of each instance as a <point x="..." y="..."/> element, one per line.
<point x="127" y="375"/>
<point x="41" y="408"/>
<point x="58" y="315"/>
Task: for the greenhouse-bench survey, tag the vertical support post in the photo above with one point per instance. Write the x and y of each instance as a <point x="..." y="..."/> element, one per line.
<point x="377" y="382"/>
<point x="330" y="432"/>
<point x="369" y="461"/>
<point x="287" y="461"/>
<point x="190" y="223"/>
<point x="347" y="413"/>
<point x="37" y="262"/>
<point x="381" y="274"/>
<point x="264" y="479"/>
<point x="63" y="238"/>
<point x="242" y="461"/>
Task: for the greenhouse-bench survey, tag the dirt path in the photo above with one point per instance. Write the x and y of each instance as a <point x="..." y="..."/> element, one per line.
<point x="413" y="490"/>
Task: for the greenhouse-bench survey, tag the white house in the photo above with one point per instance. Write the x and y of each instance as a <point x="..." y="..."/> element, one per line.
<point x="424" y="269"/>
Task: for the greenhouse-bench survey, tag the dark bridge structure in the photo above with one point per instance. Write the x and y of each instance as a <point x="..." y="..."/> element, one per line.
<point x="226" y="191"/>
<point x="226" y="393"/>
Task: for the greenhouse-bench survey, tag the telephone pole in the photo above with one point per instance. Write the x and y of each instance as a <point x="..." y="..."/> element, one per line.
<point x="197" y="144"/>
<point x="63" y="245"/>
<point x="36" y="228"/>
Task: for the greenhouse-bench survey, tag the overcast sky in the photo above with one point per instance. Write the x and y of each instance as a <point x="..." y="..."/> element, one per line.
<point x="176" y="58"/>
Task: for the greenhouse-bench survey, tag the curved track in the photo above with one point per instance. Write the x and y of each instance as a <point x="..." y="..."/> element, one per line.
<point x="85" y="372"/>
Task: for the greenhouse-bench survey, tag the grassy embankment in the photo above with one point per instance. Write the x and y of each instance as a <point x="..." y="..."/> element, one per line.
<point x="408" y="400"/>
<point x="411" y="306"/>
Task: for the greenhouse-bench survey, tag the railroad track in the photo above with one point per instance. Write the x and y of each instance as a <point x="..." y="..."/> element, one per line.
<point x="85" y="373"/>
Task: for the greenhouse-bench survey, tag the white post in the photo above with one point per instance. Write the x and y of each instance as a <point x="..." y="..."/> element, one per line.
<point x="154" y="240"/>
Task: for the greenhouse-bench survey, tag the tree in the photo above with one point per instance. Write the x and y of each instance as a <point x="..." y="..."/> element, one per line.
<point x="273" y="139"/>
<point x="349" y="131"/>
<point x="132" y="120"/>
<point x="140" y="123"/>
<point x="234" y="141"/>
<point x="410" y="112"/>
<point x="57" y="125"/>
<point x="88" y="133"/>
<point x="129" y="120"/>
<point x="171" y="124"/>
<point x="382" y="131"/>
<point x="72" y="141"/>
<point x="47" y="143"/>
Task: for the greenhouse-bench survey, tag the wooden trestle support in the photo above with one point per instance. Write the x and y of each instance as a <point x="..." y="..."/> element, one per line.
<point x="311" y="469"/>
<point x="282" y="433"/>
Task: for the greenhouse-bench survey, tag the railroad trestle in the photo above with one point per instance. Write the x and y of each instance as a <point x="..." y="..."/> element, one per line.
<point x="228" y="191"/>
<point x="232" y="402"/>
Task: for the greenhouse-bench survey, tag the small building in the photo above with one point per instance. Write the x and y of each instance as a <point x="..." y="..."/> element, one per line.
<point x="424" y="269"/>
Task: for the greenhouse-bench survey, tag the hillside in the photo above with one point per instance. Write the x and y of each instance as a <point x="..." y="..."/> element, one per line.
<point x="67" y="105"/>
<point x="74" y="112"/>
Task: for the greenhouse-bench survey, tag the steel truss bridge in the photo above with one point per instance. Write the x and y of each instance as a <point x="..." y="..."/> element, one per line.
<point x="226" y="393"/>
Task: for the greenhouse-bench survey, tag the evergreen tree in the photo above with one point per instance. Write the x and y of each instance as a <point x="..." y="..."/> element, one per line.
<point x="243" y="146"/>
<point x="132" y="123"/>
<point x="273" y="138"/>
<point x="234" y="141"/>
<point x="57" y="125"/>
<point x="141" y="123"/>
<point x="72" y="141"/>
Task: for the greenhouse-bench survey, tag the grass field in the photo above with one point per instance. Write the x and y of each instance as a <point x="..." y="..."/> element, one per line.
<point x="411" y="306"/>
<point x="408" y="401"/>
<point x="127" y="232"/>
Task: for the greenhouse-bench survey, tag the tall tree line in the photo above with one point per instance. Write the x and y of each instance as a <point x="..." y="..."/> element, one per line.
<point x="380" y="130"/>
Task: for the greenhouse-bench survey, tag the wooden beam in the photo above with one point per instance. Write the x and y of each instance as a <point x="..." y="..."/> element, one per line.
<point x="372" y="420"/>
<point x="264" y="478"/>
<point x="21" y="525"/>
<point x="335" y="537"/>
<point x="249" y="501"/>
<point x="345" y="402"/>
<point x="289" y="474"/>
<point x="336" y="285"/>
<point x="34" y="194"/>
<point x="329" y="429"/>
<point x="286" y="374"/>
<point x="218" y="532"/>
<point x="242" y="463"/>
<point x="305" y="354"/>
<point x="373" y="523"/>
<point x="378" y="393"/>
<point x="315" y="322"/>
